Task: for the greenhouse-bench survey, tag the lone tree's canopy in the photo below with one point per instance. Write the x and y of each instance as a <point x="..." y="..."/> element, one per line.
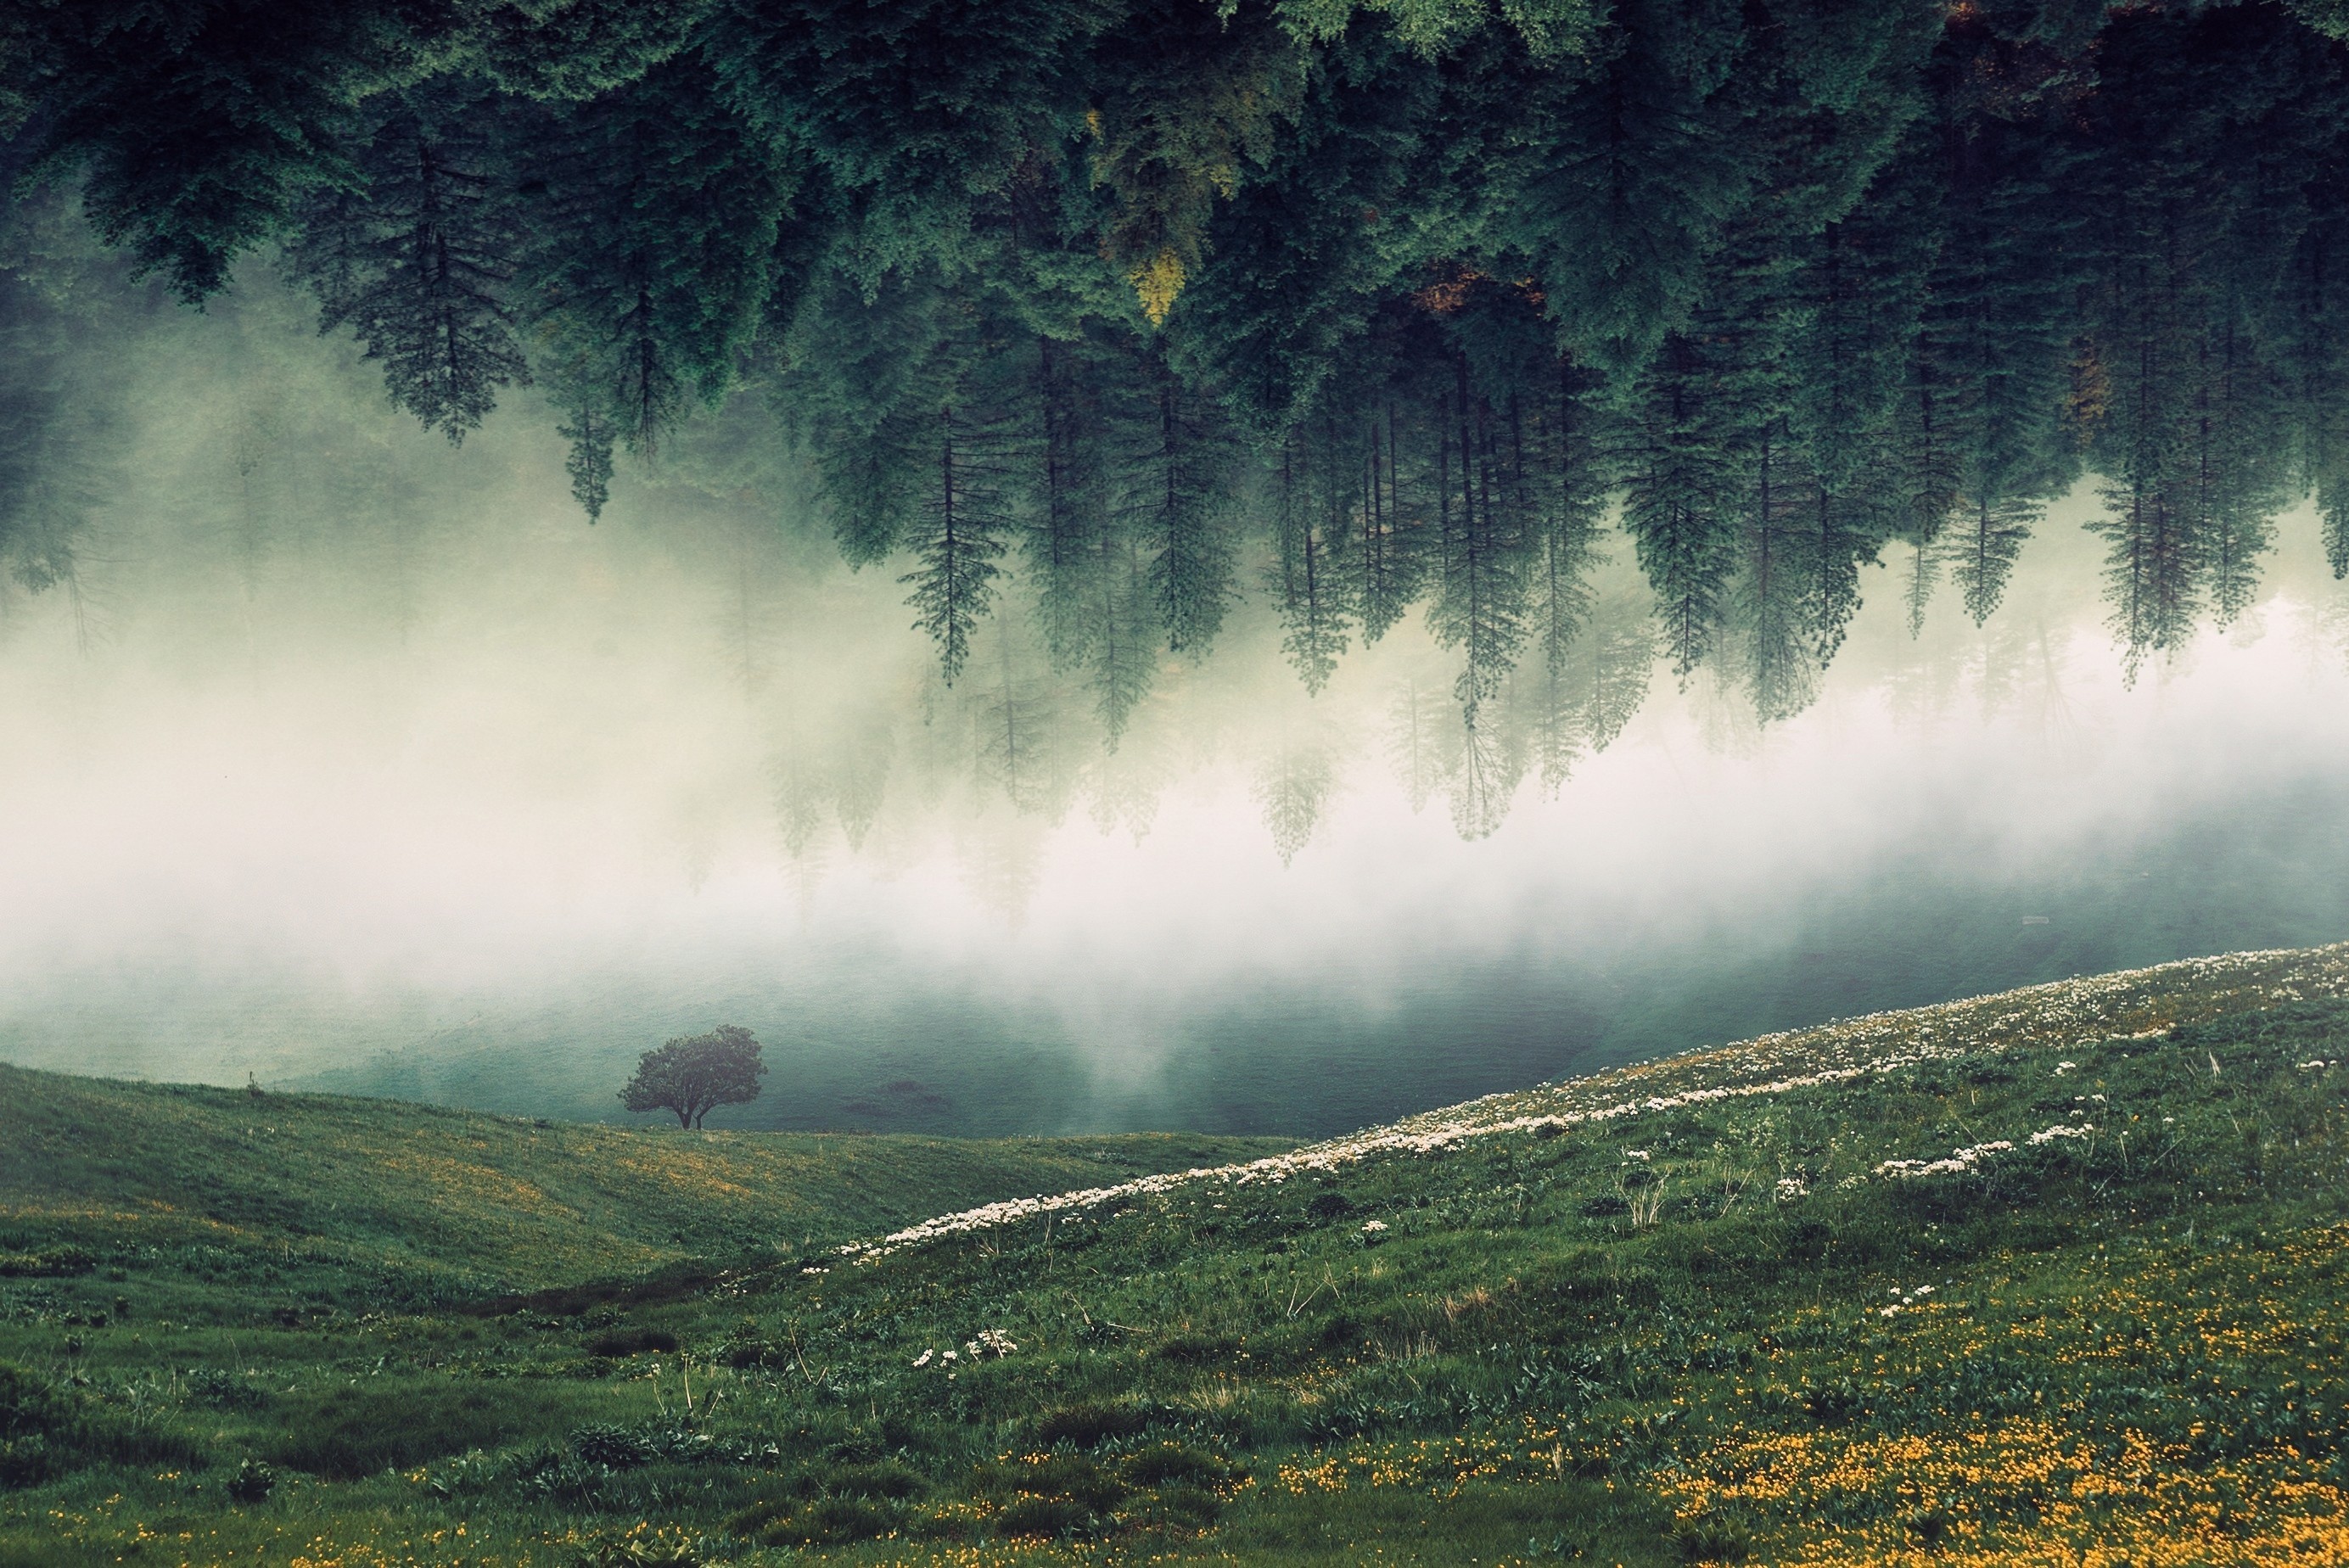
<point x="694" y="1074"/>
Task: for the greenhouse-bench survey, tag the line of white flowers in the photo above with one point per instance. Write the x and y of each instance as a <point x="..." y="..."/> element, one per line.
<point x="1962" y="1159"/>
<point x="1959" y="1159"/>
<point x="2127" y="1006"/>
<point x="989" y="1343"/>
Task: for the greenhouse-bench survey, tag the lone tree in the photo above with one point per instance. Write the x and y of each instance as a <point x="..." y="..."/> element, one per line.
<point x="694" y="1074"/>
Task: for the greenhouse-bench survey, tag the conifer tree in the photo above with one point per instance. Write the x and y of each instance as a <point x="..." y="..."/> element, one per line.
<point x="1069" y="505"/>
<point x="1173" y="487"/>
<point x="1480" y="599"/>
<point x="656" y="213"/>
<point x="417" y="259"/>
<point x="1988" y="536"/>
<point x="199" y="132"/>
<point x="1780" y="671"/>
<point x="1124" y="658"/>
<point x="1310" y="524"/>
<point x="1680" y="498"/>
<point x="960" y="530"/>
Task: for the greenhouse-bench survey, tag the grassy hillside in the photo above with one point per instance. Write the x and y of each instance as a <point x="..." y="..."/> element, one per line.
<point x="2055" y="1276"/>
<point x="449" y="1204"/>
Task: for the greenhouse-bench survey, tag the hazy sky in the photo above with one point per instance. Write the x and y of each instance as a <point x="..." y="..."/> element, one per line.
<point x="353" y="749"/>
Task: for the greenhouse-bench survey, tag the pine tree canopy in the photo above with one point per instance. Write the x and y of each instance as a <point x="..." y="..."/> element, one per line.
<point x="1129" y="309"/>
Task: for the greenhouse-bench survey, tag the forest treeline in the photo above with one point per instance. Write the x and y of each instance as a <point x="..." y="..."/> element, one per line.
<point x="1365" y="306"/>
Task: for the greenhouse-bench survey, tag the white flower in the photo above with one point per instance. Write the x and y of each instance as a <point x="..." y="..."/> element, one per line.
<point x="1370" y="1227"/>
<point x="1959" y="1159"/>
<point x="1888" y="1311"/>
<point x="948" y="1356"/>
<point x="1635" y="1154"/>
<point x="814" y="1271"/>
<point x="2062" y="1068"/>
<point x="924" y="1358"/>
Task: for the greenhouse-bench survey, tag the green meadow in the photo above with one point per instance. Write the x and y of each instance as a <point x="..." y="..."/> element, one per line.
<point x="2054" y="1276"/>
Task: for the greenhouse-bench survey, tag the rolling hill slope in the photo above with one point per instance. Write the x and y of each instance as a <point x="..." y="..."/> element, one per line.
<point x="2055" y="1276"/>
<point x="458" y="1203"/>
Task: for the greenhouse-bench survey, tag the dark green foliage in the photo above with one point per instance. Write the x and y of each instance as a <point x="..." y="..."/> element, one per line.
<point x="653" y="216"/>
<point x="1123" y="310"/>
<point x="829" y="1520"/>
<point x="33" y="1418"/>
<point x="1165" y="1462"/>
<point x="1329" y="1206"/>
<point x="578" y="48"/>
<point x="959" y="531"/>
<point x="200" y="131"/>
<point x="48" y="1262"/>
<point x="416" y="260"/>
<point x="252" y="1483"/>
<point x="631" y="1342"/>
<point x="57" y="405"/>
<point x="1090" y="1424"/>
<point x="694" y="1074"/>
<point x="359" y="1428"/>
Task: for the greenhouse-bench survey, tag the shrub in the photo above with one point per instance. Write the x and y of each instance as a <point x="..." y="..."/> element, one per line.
<point x="829" y="1520"/>
<point x="49" y="1262"/>
<point x="24" y="1462"/>
<point x="1804" y="1240"/>
<point x="947" y="1523"/>
<point x="361" y="1429"/>
<point x="632" y="1554"/>
<point x="748" y="1520"/>
<point x="615" y="1447"/>
<point x="1193" y="1506"/>
<point x="888" y="1479"/>
<point x="748" y="1352"/>
<point x="28" y="1407"/>
<point x="31" y="1417"/>
<point x="1192" y="1349"/>
<point x="1072" y="1477"/>
<point x="1329" y="1206"/>
<point x="1711" y="1540"/>
<point x="621" y="1342"/>
<point x="1088" y="1425"/>
<point x="1164" y="1462"/>
<point x="1033" y="1515"/>
<point x="224" y="1390"/>
<point x="1834" y="1402"/>
<point x="858" y="1448"/>
<point x="252" y="1483"/>
<point x="1340" y="1329"/>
